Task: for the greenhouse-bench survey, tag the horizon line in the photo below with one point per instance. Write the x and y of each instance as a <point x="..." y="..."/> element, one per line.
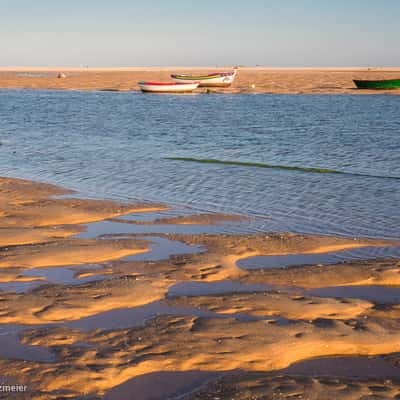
<point x="170" y="67"/>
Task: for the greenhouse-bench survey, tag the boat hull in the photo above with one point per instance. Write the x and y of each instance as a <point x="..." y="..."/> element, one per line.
<point x="157" y="87"/>
<point x="388" y="84"/>
<point x="213" y="80"/>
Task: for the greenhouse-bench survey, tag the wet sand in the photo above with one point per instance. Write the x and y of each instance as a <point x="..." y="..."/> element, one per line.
<point x="141" y="319"/>
<point x="249" y="80"/>
<point x="245" y="386"/>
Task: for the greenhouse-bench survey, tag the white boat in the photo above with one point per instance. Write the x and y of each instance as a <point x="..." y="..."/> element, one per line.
<point x="168" y="87"/>
<point x="216" y="79"/>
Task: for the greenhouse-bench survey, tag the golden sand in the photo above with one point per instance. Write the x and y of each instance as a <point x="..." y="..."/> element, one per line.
<point x="277" y="304"/>
<point x="186" y="344"/>
<point x="249" y="80"/>
<point x="37" y="229"/>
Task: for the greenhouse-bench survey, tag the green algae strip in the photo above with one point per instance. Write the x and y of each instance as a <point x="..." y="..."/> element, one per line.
<point x="258" y="165"/>
<point x="282" y="167"/>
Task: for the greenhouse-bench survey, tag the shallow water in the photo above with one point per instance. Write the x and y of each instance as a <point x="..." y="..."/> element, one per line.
<point x="161" y="385"/>
<point x="348" y="367"/>
<point x="116" y="145"/>
<point x="123" y="318"/>
<point x="52" y="275"/>
<point x="374" y="293"/>
<point x="97" y="229"/>
<point x="163" y="249"/>
<point x="12" y="348"/>
<point x="291" y="260"/>
<point x="215" y="288"/>
<point x="159" y="248"/>
<point x="312" y="164"/>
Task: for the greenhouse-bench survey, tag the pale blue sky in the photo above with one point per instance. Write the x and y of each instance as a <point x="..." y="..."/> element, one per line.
<point x="285" y="33"/>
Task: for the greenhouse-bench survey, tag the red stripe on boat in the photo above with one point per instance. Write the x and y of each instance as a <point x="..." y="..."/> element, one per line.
<point x="164" y="83"/>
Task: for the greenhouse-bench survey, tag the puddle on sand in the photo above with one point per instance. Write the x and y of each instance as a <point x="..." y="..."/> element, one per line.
<point x="122" y="318"/>
<point x="347" y="367"/>
<point x="161" y="385"/>
<point x="125" y="318"/>
<point x="162" y="249"/>
<point x="375" y="294"/>
<point x="215" y="288"/>
<point x="64" y="275"/>
<point x="97" y="229"/>
<point x="52" y="275"/>
<point x="291" y="260"/>
<point x="20" y="287"/>
<point x="12" y="348"/>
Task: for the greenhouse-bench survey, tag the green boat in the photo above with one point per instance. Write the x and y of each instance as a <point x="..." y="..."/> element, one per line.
<point x="378" y="85"/>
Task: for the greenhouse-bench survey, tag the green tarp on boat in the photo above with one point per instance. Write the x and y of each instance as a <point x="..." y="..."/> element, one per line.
<point x="380" y="84"/>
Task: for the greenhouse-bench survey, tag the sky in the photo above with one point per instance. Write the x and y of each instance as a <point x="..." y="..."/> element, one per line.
<point x="272" y="33"/>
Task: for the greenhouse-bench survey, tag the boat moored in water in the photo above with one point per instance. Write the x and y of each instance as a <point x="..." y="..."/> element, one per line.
<point x="384" y="84"/>
<point x="168" y="87"/>
<point x="216" y="79"/>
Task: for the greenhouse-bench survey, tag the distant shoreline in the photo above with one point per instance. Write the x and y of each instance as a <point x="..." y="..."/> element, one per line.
<point x="327" y="80"/>
<point x="191" y="68"/>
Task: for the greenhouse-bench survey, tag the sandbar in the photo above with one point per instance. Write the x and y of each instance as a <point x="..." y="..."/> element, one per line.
<point x="249" y="79"/>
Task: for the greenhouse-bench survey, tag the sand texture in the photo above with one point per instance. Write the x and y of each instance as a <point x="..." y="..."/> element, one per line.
<point x="263" y="386"/>
<point x="256" y="333"/>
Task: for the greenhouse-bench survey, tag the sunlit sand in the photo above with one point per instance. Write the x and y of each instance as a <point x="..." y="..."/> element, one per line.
<point x="261" y="331"/>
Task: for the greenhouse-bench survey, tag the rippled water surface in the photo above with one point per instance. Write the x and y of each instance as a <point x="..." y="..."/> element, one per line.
<point x="116" y="145"/>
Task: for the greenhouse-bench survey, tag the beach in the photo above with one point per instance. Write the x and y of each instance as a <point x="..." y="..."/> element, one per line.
<point x="130" y="321"/>
<point x="198" y="247"/>
<point x="249" y="79"/>
<point x="199" y="201"/>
